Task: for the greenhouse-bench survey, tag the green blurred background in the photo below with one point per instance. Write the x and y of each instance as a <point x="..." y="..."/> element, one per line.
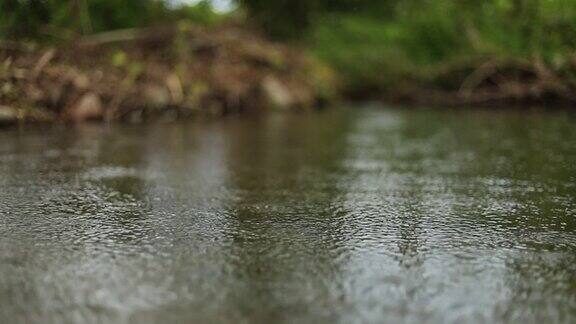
<point x="377" y="46"/>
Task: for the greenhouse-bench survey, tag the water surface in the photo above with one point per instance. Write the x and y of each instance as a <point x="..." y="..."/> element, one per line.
<point x="347" y="216"/>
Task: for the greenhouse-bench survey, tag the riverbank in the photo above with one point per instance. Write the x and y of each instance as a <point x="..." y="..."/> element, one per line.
<point x="448" y="52"/>
<point x="180" y="71"/>
<point x="483" y="82"/>
<point x="170" y="72"/>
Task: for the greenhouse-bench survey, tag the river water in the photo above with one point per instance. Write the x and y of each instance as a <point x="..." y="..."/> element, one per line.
<point x="344" y="216"/>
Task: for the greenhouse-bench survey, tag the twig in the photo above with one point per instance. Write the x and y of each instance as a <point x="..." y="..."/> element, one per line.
<point x="121" y="35"/>
<point x="42" y="62"/>
<point x="483" y="72"/>
<point x="114" y="36"/>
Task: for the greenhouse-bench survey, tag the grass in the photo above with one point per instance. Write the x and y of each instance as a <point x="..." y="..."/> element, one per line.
<point x="441" y="45"/>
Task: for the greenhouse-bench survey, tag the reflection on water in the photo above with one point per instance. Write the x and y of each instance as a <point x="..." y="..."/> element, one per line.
<point x="343" y="216"/>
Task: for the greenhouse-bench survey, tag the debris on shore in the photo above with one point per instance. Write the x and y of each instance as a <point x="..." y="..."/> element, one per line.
<point x="172" y="72"/>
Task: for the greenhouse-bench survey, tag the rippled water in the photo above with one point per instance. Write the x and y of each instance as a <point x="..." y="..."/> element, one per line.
<point x="361" y="216"/>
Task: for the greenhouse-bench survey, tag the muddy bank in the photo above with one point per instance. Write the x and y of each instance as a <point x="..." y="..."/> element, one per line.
<point x="486" y="82"/>
<point x="172" y="72"/>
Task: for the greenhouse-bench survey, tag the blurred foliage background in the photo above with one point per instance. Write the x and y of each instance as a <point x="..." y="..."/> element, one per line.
<point x="376" y="45"/>
<point x="55" y="19"/>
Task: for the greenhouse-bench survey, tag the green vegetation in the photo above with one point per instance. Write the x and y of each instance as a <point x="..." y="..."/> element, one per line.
<point x="478" y="50"/>
<point x="56" y="19"/>
<point x="452" y="51"/>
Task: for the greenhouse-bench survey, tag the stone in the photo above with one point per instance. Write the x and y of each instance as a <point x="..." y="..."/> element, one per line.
<point x="88" y="107"/>
<point x="276" y="93"/>
<point x="156" y="96"/>
<point x="8" y="115"/>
